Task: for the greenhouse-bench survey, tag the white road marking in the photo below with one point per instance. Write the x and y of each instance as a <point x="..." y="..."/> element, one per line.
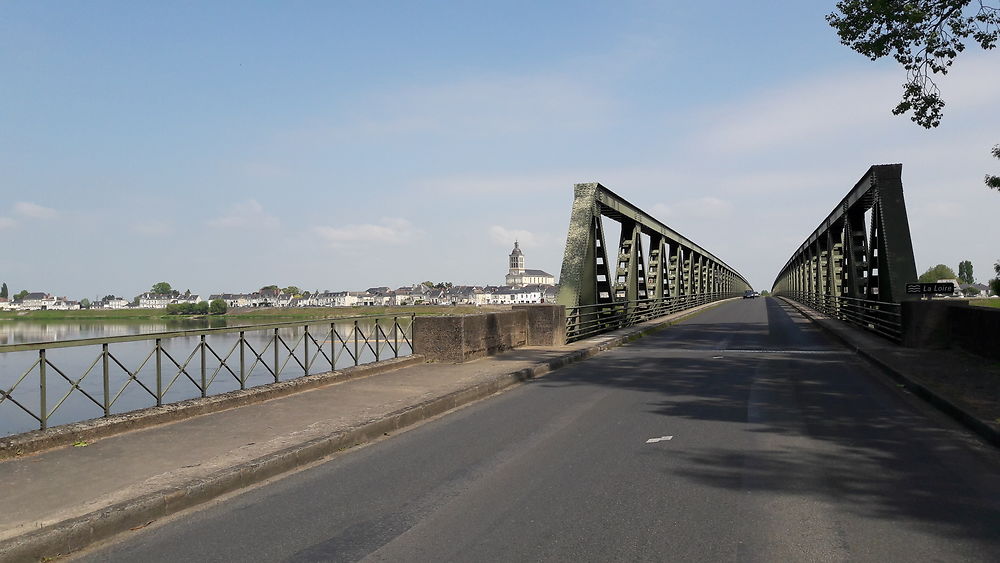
<point x="660" y="439"/>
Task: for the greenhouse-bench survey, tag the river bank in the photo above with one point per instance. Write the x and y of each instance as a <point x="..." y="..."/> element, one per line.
<point x="276" y="313"/>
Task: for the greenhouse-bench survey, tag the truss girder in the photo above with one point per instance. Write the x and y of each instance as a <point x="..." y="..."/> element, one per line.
<point x="674" y="267"/>
<point x="862" y="250"/>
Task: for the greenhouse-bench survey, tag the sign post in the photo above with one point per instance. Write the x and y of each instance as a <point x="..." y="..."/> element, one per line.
<point x="930" y="288"/>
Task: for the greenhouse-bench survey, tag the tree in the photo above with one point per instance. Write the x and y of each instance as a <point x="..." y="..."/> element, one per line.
<point x="995" y="282"/>
<point x="292" y="290"/>
<point x="939" y="272"/>
<point x="21" y="294"/>
<point x="85" y="303"/>
<point x="3" y="291"/>
<point x="971" y="291"/>
<point x="218" y="307"/>
<point x="994" y="181"/>
<point x="270" y="287"/>
<point x="924" y="36"/>
<point x="965" y="272"/>
<point x="162" y="288"/>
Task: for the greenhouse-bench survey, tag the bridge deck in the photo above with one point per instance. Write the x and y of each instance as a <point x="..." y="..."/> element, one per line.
<point x="757" y="402"/>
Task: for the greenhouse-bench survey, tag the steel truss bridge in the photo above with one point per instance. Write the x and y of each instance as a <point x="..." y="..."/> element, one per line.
<point x="855" y="265"/>
<point x="677" y="273"/>
<point x="852" y="267"/>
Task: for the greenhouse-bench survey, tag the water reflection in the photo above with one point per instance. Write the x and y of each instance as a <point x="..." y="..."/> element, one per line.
<point x="24" y="331"/>
<point x="77" y="389"/>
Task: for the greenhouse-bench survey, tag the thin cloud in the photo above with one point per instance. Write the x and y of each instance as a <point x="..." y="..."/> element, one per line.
<point x="506" y="237"/>
<point x="245" y="215"/>
<point x="838" y="104"/>
<point x="492" y="104"/>
<point x="153" y="228"/>
<point x="7" y="223"/>
<point x="706" y="208"/>
<point x="391" y="231"/>
<point x="35" y="211"/>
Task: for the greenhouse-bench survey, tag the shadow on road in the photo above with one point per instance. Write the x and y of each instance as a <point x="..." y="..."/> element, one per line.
<point x="808" y="421"/>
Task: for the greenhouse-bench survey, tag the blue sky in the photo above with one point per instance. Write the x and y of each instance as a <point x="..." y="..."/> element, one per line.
<point x="341" y="145"/>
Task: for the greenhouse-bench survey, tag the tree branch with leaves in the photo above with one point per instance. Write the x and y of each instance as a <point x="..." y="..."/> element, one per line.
<point x="925" y="36"/>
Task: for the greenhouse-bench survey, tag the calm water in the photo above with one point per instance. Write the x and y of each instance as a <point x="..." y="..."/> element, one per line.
<point x="83" y="365"/>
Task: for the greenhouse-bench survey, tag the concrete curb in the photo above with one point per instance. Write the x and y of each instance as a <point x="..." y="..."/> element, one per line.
<point x="981" y="428"/>
<point x="79" y="532"/>
<point x="89" y="430"/>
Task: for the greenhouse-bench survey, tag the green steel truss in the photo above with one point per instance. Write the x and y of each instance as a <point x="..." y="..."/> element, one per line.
<point x="849" y="257"/>
<point x="673" y="266"/>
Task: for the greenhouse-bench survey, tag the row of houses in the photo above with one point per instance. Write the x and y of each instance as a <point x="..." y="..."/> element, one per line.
<point x="39" y="301"/>
<point x="418" y="294"/>
<point x="383" y="296"/>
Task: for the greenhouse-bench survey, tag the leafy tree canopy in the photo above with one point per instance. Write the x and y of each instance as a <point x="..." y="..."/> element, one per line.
<point x="162" y="287"/>
<point x="965" y="272"/>
<point x="218" y="307"/>
<point x="271" y="288"/>
<point x="991" y="180"/>
<point x="85" y="303"/>
<point x="3" y="290"/>
<point x="22" y="294"/>
<point x="939" y="272"/>
<point x="292" y="290"/>
<point x="924" y="36"/>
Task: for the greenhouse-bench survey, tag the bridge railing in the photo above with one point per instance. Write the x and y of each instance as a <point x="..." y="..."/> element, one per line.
<point x="95" y="377"/>
<point x="857" y="262"/>
<point x="589" y="320"/>
<point x="883" y="318"/>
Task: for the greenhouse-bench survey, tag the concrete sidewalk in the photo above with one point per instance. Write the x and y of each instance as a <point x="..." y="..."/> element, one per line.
<point x="962" y="385"/>
<point x="63" y="499"/>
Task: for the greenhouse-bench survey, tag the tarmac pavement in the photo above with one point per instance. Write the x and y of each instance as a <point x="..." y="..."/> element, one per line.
<point x="63" y="499"/>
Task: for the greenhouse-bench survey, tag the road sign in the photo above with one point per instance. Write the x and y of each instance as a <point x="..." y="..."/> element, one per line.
<point x="929" y="288"/>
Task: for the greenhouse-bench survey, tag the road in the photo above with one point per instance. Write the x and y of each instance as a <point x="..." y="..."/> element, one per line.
<point x="742" y="434"/>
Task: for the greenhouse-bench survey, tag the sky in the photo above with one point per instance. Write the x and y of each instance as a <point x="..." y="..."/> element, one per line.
<point x="224" y="146"/>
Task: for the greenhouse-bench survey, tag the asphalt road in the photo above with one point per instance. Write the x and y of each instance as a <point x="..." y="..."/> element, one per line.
<point x="743" y="434"/>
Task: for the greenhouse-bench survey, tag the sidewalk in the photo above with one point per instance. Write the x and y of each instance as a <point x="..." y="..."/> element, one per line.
<point x="63" y="499"/>
<point x="962" y="385"/>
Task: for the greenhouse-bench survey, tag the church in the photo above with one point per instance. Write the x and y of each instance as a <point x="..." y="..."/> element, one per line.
<point x="518" y="276"/>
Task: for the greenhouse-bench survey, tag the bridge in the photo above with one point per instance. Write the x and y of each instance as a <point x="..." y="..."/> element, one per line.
<point x="653" y="414"/>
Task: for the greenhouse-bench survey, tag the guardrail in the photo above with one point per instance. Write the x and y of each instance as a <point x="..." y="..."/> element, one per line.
<point x="589" y="320"/>
<point x="243" y="355"/>
<point x="883" y="318"/>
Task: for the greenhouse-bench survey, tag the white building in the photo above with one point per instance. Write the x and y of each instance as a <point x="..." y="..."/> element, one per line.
<point x="517" y="275"/>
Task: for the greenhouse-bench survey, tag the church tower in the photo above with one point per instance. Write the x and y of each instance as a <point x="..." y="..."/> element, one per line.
<point x="516" y="264"/>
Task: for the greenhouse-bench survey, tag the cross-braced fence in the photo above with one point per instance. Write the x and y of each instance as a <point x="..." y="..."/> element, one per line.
<point x="75" y="380"/>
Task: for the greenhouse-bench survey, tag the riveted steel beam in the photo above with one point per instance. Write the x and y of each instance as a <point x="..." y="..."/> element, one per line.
<point x="677" y="266"/>
<point x="859" y="259"/>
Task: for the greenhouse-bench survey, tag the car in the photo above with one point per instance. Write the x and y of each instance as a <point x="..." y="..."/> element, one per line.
<point x="749" y="294"/>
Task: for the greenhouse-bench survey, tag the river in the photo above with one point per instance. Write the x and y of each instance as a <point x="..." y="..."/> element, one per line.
<point x="132" y="373"/>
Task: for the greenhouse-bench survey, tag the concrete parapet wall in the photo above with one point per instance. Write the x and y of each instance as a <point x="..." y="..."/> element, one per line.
<point x="953" y="323"/>
<point x="926" y="325"/>
<point x="462" y="338"/>
<point x="975" y="329"/>
<point x="546" y="324"/>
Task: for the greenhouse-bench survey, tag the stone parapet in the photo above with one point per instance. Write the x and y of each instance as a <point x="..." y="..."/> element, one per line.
<point x="546" y="324"/>
<point x="461" y="338"/>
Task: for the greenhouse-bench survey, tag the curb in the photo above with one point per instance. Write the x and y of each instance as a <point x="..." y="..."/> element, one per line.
<point x="983" y="429"/>
<point x="79" y="532"/>
<point x="35" y="441"/>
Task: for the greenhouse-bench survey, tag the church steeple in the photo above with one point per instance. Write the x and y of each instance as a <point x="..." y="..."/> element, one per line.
<point x="516" y="260"/>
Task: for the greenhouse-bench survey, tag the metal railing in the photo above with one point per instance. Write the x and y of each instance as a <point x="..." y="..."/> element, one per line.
<point x="258" y="354"/>
<point x="885" y="319"/>
<point x="588" y="320"/>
